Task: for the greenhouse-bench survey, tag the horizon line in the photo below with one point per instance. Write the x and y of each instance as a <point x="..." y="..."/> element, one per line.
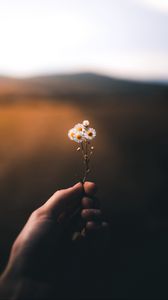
<point x="112" y="75"/>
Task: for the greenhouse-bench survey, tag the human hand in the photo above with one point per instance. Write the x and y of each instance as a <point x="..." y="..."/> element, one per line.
<point x="41" y="254"/>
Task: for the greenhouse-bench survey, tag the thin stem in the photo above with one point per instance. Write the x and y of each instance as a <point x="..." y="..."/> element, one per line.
<point x="82" y="149"/>
<point x="86" y="161"/>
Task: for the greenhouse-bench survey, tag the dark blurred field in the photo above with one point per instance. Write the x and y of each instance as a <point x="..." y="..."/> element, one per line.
<point x="130" y="165"/>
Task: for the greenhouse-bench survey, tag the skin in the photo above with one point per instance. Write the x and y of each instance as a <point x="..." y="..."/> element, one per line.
<point x="46" y="256"/>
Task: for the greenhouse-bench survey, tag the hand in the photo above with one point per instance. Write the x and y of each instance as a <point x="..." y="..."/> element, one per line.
<point x="44" y="254"/>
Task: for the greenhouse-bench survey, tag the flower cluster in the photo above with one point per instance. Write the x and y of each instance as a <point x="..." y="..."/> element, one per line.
<point x="82" y="132"/>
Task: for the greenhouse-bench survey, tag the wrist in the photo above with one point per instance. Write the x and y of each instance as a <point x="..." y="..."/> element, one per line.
<point x="6" y="287"/>
<point x="17" y="287"/>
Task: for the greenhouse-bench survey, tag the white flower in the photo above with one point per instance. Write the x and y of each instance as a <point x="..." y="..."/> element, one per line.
<point x="79" y="127"/>
<point x="71" y="134"/>
<point x="90" y="134"/>
<point x="78" y="137"/>
<point x="85" y="123"/>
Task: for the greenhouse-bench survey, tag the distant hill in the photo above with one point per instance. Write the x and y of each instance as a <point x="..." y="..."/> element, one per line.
<point x="75" y="85"/>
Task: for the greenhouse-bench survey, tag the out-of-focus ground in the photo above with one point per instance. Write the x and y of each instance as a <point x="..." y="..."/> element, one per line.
<point x="130" y="165"/>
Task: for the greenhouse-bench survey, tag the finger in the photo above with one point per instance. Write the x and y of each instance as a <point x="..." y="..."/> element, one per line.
<point x="87" y="202"/>
<point x="93" y="226"/>
<point x="64" y="200"/>
<point x="90" y="188"/>
<point x="91" y="214"/>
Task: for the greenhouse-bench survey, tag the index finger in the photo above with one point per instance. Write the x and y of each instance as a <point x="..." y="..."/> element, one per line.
<point x="64" y="199"/>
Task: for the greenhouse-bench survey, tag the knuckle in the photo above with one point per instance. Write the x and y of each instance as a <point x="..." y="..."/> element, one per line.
<point x="57" y="193"/>
<point x="38" y="213"/>
<point x="91" y="225"/>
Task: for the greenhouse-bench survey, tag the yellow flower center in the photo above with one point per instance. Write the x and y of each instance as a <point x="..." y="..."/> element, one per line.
<point x="78" y="136"/>
<point x="90" y="133"/>
<point x="79" y="128"/>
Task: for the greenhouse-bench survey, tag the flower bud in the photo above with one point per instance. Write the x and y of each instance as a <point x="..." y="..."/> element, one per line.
<point x="86" y="123"/>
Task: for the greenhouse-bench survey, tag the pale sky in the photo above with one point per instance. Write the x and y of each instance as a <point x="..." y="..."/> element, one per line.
<point x="125" y="38"/>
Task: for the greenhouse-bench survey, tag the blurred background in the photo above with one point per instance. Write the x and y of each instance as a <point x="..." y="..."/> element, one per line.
<point x="106" y="61"/>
